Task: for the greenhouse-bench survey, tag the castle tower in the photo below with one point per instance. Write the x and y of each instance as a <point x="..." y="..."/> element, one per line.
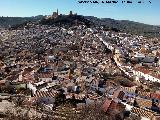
<point x="70" y="13"/>
<point x="57" y="12"/>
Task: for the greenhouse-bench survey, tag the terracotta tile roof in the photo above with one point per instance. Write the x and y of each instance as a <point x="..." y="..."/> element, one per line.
<point x="144" y="94"/>
<point x="141" y="69"/>
<point x="156" y="75"/>
<point x="44" y="94"/>
<point x="155" y="95"/>
<point x="144" y="103"/>
<point x="106" y="105"/>
<point x="113" y="105"/>
<point x="121" y="95"/>
<point x="142" y="112"/>
<point x="118" y="94"/>
<point x="147" y="71"/>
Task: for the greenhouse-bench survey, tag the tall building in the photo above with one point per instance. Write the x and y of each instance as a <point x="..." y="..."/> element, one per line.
<point x="55" y="14"/>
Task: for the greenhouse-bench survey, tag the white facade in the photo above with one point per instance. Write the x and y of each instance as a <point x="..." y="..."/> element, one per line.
<point x="146" y="76"/>
<point x="32" y="88"/>
<point x="46" y="79"/>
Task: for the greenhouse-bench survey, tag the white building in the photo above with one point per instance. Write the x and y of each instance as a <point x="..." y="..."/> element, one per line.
<point x="146" y="74"/>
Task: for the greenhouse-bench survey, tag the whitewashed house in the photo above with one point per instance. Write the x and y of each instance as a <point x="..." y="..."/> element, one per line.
<point x="139" y="72"/>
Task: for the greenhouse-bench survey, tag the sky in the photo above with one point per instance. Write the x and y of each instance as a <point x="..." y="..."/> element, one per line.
<point x="146" y="12"/>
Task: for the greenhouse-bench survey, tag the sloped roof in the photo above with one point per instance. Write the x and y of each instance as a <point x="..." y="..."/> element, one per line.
<point x="144" y="103"/>
<point x="106" y="105"/>
<point x="155" y="95"/>
<point x="44" y="94"/>
<point x="142" y="112"/>
<point x="144" y="94"/>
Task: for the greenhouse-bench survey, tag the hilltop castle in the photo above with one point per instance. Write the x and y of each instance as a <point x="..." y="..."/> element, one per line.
<point x="56" y="14"/>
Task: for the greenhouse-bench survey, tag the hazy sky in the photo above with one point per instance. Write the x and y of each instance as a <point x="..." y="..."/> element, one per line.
<point x="144" y="12"/>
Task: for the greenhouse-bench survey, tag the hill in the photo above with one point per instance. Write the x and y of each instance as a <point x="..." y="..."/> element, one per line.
<point x="68" y="20"/>
<point x="107" y="23"/>
<point x="11" y="21"/>
<point x="127" y="26"/>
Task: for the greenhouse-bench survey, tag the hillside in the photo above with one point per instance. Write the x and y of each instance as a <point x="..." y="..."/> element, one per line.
<point x="127" y="26"/>
<point x="109" y="24"/>
<point x="68" y="20"/>
<point x="11" y="21"/>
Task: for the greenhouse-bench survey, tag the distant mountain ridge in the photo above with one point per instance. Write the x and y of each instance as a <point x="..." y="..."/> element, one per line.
<point x="127" y="26"/>
<point x="107" y="23"/>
